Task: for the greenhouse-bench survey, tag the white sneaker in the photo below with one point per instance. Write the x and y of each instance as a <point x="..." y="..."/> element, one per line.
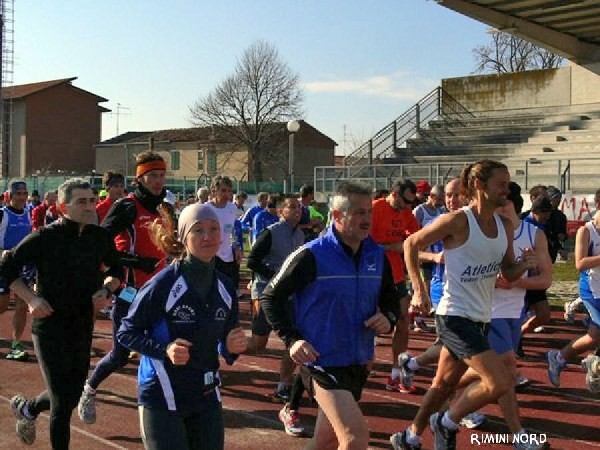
<point x="591" y="365"/>
<point x="291" y="421"/>
<point x="473" y="420"/>
<point x="569" y="313"/>
<point x="86" y="409"/>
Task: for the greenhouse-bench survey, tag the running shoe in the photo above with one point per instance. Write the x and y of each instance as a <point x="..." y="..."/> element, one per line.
<point x="406" y="375"/>
<point x="569" y="313"/>
<point x="591" y="365"/>
<point x="291" y="421"/>
<point x="444" y="439"/>
<point x="394" y="384"/>
<point x="398" y="441"/>
<point x="86" y="409"/>
<point x="521" y="381"/>
<point x="554" y="367"/>
<point x="473" y="420"/>
<point x="281" y="395"/>
<point x="25" y="426"/>
<point x="421" y="325"/>
<point x="17" y="352"/>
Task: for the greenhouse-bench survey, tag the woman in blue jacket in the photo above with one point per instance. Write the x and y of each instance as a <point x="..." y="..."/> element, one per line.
<point x="180" y="321"/>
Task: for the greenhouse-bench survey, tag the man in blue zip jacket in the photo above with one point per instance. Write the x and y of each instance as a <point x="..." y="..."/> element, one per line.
<point x="343" y="294"/>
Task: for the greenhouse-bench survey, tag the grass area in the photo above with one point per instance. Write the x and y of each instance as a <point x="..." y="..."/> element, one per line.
<point x="565" y="271"/>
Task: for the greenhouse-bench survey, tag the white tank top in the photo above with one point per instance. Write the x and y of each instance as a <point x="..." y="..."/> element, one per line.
<point x="471" y="271"/>
<point x="592" y="276"/>
<point x="508" y="303"/>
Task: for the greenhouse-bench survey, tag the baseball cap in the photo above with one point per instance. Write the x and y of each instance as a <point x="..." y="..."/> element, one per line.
<point x="541" y="205"/>
<point x="423" y="186"/>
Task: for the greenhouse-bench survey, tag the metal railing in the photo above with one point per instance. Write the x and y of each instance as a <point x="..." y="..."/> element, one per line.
<point x="413" y="123"/>
<point x="577" y="175"/>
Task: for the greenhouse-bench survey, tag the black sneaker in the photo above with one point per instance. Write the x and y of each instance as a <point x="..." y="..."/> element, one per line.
<point x="444" y="439"/>
<point x="398" y="441"/>
<point x="281" y="395"/>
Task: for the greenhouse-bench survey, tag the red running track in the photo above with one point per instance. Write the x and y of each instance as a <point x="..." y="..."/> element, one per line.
<point x="570" y="415"/>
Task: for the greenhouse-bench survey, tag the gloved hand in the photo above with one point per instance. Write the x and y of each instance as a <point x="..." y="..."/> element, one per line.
<point x="147" y="265"/>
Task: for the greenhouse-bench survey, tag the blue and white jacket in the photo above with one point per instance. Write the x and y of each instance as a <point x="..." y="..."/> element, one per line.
<point x="165" y="309"/>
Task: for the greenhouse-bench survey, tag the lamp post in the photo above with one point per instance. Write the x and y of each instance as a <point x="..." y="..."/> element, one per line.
<point x="293" y="126"/>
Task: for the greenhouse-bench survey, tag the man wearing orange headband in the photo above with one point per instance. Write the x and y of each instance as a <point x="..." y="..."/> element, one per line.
<point x="128" y="222"/>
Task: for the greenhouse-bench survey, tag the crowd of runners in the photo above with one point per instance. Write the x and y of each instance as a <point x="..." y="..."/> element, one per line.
<point x="461" y="260"/>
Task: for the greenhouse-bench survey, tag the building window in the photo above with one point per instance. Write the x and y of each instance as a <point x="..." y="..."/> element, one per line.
<point x="175" y="160"/>
<point x="212" y="161"/>
<point x="200" y="160"/>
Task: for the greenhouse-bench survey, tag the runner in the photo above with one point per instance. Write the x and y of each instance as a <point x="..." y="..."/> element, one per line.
<point x="15" y="225"/>
<point x="425" y="213"/>
<point x="247" y="219"/>
<point x="178" y="321"/>
<point x="507" y="304"/>
<point x="476" y="248"/>
<point x="343" y="295"/>
<point x="587" y="261"/>
<point x="68" y="256"/>
<point x="46" y="212"/>
<point x="409" y="365"/>
<point x="271" y="248"/>
<point x="114" y="184"/>
<point x="393" y="221"/>
<point x="230" y="253"/>
<point x="128" y="221"/>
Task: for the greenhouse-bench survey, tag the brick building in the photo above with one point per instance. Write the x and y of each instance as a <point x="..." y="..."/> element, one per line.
<point x="53" y="126"/>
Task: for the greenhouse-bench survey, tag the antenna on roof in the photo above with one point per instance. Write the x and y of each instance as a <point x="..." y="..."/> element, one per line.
<point x="118" y="111"/>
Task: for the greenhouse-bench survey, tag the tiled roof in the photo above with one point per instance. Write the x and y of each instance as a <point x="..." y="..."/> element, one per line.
<point x="23" y="90"/>
<point x="196" y="134"/>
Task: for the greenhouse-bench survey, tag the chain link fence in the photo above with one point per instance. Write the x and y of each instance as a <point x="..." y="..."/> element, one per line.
<point x="580" y="175"/>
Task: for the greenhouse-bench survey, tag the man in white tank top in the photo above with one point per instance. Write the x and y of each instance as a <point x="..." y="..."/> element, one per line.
<point x="476" y="248"/>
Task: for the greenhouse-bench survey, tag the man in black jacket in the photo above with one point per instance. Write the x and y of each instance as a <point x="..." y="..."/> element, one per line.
<point x="69" y="256"/>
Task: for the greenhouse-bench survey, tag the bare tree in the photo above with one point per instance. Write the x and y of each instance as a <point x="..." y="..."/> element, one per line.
<point x="507" y="53"/>
<point x="262" y="91"/>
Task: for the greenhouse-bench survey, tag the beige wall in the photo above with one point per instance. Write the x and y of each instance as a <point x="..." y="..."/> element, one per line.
<point x="567" y="86"/>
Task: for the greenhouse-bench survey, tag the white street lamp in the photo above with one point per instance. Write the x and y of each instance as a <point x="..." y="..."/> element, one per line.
<point x="292" y="126"/>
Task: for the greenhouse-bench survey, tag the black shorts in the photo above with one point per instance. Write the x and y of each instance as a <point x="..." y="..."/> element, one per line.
<point x="533" y="297"/>
<point x="260" y="325"/>
<point x="461" y="336"/>
<point x="347" y="378"/>
<point x="28" y="274"/>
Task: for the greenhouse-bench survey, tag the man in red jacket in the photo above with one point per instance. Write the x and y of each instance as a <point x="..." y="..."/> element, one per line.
<point x="45" y="213"/>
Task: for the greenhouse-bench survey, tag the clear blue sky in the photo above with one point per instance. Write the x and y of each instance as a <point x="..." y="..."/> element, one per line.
<point x="362" y="63"/>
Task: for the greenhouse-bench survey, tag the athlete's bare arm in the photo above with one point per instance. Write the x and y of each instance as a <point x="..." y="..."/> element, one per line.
<point x="452" y="230"/>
